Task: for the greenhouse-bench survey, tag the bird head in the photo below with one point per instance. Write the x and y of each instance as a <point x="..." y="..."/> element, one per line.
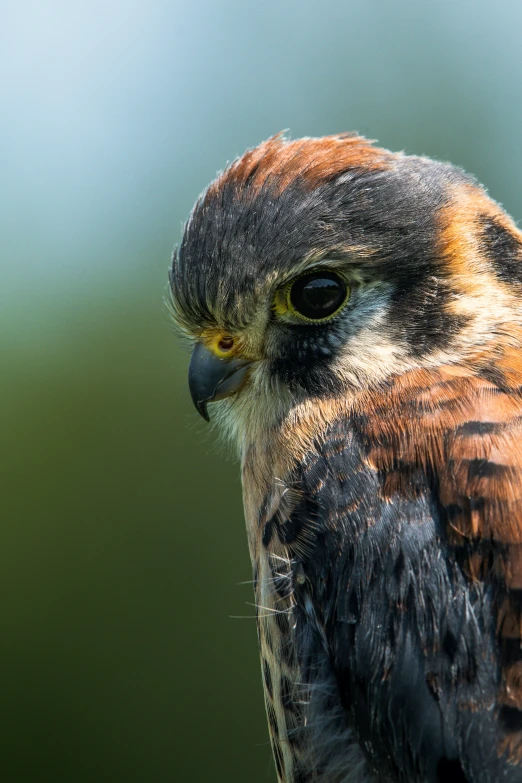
<point x="320" y="268"/>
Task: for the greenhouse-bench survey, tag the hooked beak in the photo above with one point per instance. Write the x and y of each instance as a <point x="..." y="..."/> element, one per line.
<point x="211" y="378"/>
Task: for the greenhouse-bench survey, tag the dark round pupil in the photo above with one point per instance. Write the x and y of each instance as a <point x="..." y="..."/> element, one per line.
<point x="318" y="296"/>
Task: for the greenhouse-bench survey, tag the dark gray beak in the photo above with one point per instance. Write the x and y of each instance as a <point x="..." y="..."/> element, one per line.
<point x="211" y="378"/>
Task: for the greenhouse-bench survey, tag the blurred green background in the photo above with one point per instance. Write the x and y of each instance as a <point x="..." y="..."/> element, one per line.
<point x="123" y="544"/>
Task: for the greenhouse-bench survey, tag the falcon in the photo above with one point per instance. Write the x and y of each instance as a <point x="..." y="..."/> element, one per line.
<point x="357" y="320"/>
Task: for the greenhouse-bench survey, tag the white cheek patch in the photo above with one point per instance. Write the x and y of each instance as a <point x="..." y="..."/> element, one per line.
<point x="250" y="415"/>
<point x="372" y="350"/>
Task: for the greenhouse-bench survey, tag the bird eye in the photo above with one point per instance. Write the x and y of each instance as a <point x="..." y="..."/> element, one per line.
<point x="318" y="295"/>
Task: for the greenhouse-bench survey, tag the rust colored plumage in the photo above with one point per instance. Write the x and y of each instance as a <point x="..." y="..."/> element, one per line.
<point x="465" y="432"/>
<point x="278" y="163"/>
<point x="380" y="452"/>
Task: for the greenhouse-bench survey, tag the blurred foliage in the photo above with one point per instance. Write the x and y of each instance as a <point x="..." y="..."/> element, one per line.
<point x="123" y="548"/>
<point x="123" y="540"/>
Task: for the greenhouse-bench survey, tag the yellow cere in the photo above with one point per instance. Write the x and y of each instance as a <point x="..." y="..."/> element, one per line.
<point x="222" y="345"/>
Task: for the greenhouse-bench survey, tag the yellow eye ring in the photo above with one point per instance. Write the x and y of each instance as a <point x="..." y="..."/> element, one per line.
<point x="315" y="297"/>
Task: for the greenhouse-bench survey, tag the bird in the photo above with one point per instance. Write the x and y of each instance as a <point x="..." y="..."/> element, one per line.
<point x="356" y="322"/>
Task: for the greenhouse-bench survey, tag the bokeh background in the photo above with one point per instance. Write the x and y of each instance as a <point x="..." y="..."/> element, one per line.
<point x="123" y="561"/>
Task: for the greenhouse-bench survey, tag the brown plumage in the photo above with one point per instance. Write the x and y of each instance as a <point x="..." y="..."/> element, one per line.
<point x="358" y="315"/>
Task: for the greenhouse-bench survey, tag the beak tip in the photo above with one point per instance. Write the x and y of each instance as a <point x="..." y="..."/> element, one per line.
<point x="212" y="378"/>
<point x="202" y="409"/>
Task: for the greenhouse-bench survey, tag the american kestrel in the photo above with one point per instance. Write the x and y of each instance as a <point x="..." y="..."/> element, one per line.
<point x="357" y="315"/>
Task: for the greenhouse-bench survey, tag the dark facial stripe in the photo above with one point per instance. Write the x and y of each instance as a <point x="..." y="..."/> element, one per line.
<point x="503" y="249"/>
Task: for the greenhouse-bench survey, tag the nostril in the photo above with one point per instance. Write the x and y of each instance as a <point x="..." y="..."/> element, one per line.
<point x="226" y="343"/>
